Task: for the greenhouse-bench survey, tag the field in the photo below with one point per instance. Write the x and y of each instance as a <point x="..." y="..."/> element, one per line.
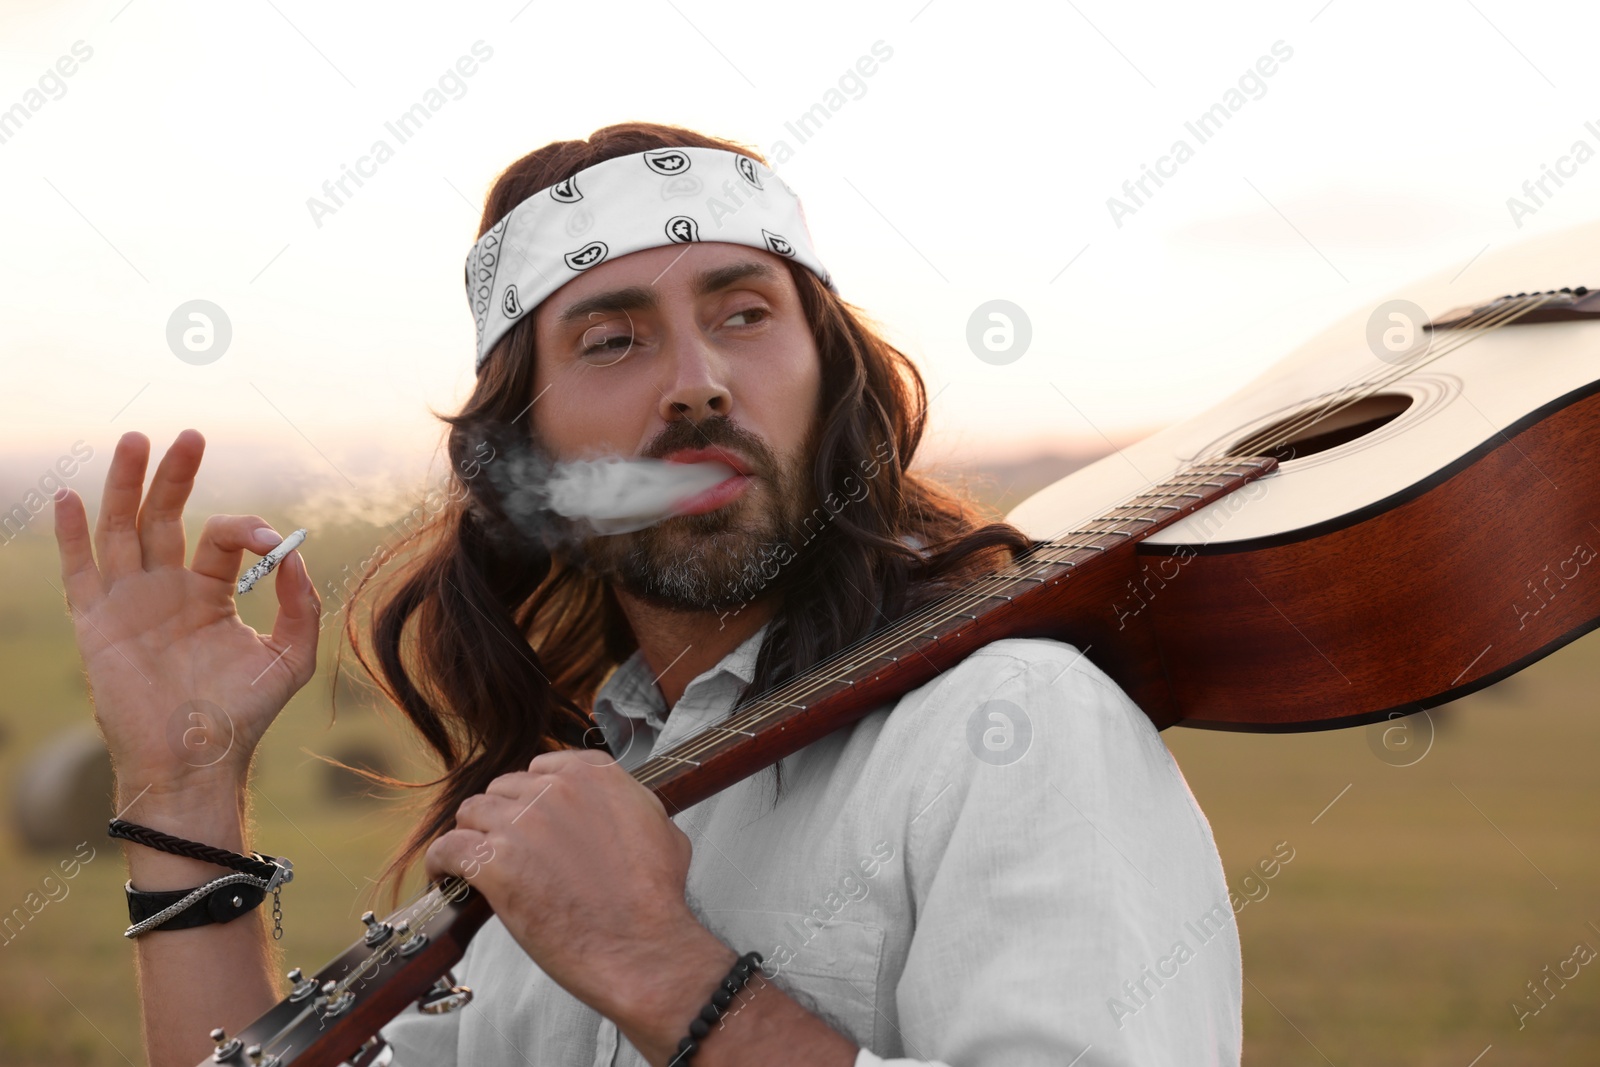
<point x="1419" y="903"/>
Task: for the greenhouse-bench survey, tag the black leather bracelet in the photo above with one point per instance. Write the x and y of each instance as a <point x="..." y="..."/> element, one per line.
<point x="223" y="904"/>
<point x="713" y="1011"/>
<point x="255" y="863"/>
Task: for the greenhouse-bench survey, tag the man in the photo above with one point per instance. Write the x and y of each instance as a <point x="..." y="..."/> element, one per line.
<point x="1003" y="866"/>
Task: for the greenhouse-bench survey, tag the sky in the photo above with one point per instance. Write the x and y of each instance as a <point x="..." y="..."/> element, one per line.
<point x="984" y="158"/>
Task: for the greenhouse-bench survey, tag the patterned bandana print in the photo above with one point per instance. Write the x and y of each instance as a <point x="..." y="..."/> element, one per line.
<point x="664" y="196"/>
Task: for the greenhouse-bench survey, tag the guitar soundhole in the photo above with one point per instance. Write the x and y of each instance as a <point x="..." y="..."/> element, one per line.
<point x="1305" y="433"/>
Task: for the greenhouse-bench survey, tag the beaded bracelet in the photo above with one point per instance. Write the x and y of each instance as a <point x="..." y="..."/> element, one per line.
<point x="713" y="1011"/>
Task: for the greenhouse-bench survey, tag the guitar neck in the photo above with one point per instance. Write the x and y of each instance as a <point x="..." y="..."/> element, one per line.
<point x="334" y="1018"/>
<point x="1029" y="597"/>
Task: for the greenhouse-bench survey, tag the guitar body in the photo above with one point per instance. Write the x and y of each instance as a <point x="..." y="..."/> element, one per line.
<point x="1450" y="541"/>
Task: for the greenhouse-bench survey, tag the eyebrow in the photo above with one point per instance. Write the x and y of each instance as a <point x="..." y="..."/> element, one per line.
<point x="643" y="298"/>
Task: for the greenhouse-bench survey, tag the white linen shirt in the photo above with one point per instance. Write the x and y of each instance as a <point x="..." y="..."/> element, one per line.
<point x="1003" y="868"/>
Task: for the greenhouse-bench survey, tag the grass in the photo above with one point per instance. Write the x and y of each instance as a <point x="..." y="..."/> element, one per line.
<point x="1401" y="932"/>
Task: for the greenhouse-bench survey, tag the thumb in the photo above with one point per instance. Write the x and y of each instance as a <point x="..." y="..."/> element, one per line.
<point x="299" y="612"/>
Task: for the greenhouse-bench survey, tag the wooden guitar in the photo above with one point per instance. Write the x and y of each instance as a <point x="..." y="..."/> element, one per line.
<point x="1403" y="511"/>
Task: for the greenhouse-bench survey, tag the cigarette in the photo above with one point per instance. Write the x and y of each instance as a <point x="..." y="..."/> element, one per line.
<point x="270" y="560"/>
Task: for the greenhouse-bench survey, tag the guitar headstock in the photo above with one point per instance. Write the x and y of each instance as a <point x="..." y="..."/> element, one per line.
<point x="1552" y="305"/>
<point x="333" y="1017"/>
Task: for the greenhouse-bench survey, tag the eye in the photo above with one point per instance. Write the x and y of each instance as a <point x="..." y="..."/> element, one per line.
<point x="618" y="343"/>
<point x="761" y="311"/>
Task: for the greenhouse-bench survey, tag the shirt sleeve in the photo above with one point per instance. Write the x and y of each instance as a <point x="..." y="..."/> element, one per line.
<point x="1070" y="904"/>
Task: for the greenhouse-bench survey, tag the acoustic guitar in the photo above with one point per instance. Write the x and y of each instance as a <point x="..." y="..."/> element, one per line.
<point x="1404" y="510"/>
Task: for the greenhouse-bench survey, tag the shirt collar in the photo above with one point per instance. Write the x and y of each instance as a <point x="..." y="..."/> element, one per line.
<point x="631" y="691"/>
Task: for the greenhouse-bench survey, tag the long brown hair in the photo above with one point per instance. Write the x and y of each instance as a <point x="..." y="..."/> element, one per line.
<point x="509" y="645"/>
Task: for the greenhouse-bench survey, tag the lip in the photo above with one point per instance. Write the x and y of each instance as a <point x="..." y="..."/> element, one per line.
<point x="700" y="455"/>
<point x="724" y="492"/>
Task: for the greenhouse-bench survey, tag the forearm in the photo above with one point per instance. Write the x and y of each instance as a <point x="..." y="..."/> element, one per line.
<point x="762" y="1024"/>
<point x="207" y="976"/>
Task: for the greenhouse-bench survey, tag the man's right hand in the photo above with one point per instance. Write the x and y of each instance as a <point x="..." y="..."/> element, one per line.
<point x="182" y="689"/>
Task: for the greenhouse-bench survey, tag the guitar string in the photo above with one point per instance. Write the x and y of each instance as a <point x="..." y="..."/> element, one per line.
<point x="432" y="901"/>
<point x="1308" y="416"/>
<point x="424" y="908"/>
<point x="1466" y="332"/>
<point x="704" y="742"/>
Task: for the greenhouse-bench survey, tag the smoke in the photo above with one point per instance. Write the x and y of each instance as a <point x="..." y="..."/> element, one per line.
<point x="617" y="495"/>
<point x="565" y="502"/>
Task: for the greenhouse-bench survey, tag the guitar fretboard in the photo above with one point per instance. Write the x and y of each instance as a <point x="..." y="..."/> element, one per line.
<point x="1049" y="562"/>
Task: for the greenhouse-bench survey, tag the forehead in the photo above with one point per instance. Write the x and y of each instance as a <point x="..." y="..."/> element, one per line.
<point x="671" y="272"/>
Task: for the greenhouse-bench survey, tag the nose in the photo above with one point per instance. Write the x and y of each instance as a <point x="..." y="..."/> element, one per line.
<point x="697" y="386"/>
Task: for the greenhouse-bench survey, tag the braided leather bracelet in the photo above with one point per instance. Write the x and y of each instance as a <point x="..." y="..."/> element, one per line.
<point x="713" y="1011"/>
<point x="255" y="863"/>
<point x="176" y="909"/>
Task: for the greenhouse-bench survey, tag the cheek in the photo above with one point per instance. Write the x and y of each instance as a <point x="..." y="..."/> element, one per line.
<point x="788" y="393"/>
<point x="585" y="411"/>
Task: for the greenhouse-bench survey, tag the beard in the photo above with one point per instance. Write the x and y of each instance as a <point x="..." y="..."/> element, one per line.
<point x="717" y="560"/>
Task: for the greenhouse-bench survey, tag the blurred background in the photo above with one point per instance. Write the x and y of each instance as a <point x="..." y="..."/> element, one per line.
<point x="154" y="155"/>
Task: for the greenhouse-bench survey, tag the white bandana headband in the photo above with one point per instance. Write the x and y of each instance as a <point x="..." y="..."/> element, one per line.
<point x="664" y="196"/>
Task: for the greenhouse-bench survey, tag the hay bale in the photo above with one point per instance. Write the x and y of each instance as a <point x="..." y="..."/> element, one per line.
<point x="339" y="784"/>
<point x="63" y="794"/>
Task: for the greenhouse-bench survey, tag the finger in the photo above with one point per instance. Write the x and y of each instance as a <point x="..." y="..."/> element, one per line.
<point x="521" y="786"/>
<point x="562" y="758"/>
<point x="223" y="539"/>
<point x="161" y="518"/>
<point x="80" y="575"/>
<point x="116" y="535"/>
<point x="299" y="611"/>
<point x="457" y="853"/>
<point x="483" y="812"/>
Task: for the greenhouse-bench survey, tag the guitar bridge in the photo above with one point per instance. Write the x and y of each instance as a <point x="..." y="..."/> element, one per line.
<point x="1560" y="305"/>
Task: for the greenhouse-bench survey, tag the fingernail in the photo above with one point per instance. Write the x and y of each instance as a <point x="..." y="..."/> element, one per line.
<point x="61" y="494"/>
<point x="268" y="536"/>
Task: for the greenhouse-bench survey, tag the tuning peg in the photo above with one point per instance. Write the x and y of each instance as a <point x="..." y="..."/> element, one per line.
<point x="412" y="944"/>
<point x="377" y="932"/>
<point x="303" y="986"/>
<point x="227" y="1047"/>
<point x="445" y="996"/>
<point x="330" y="1004"/>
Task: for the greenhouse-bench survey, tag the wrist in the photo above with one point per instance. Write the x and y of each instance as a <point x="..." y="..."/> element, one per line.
<point x="212" y="814"/>
<point x="666" y="987"/>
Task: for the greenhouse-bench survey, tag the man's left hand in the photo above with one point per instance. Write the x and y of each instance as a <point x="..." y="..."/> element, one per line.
<point x="581" y="863"/>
